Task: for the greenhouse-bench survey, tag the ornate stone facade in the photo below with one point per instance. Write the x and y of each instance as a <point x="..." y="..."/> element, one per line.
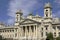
<point x="32" y="27"/>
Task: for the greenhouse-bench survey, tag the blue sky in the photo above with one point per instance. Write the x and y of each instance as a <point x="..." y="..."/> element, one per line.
<point x="8" y="8"/>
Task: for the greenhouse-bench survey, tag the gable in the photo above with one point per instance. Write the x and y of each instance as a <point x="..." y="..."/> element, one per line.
<point x="28" y="21"/>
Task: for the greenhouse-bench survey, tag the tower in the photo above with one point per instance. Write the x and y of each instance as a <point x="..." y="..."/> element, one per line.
<point x="18" y="17"/>
<point x="47" y="11"/>
<point x="48" y="17"/>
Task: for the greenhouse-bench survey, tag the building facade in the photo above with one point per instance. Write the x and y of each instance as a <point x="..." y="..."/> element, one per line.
<point x="32" y="27"/>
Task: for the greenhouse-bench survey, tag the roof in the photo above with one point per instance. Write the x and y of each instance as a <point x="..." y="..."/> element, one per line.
<point x="30" y="20"/>
<point x="47" y="5"/>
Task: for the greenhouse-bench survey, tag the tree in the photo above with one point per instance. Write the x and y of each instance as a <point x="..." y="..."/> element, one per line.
<point x="58" y="38"/>
<point x="50" y="36"/>
<point x="0" y="37"/>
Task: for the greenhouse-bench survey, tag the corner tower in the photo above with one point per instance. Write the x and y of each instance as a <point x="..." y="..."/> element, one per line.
<point x="47" y="11"/>
<point x="18" y="17"/>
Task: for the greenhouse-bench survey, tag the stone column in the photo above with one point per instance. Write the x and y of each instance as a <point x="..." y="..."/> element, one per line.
<point x="29" y="31"/>
<point x="22" y="32"/>
<point x="56" y="31"/>
<point x="25" y="31"/>
<point x="34" y="31"/>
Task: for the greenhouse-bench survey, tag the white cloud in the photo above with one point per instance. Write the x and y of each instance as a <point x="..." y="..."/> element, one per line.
<point x="26" y="5"/>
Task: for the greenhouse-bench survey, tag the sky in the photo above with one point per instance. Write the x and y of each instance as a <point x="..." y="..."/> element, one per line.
<point x="8" y="8"/>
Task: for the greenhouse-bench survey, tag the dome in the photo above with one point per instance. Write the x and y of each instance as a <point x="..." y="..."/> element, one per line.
<point x="31" y="14"/>
<point x="47" y="5"/>
<point x="19" y="12"/>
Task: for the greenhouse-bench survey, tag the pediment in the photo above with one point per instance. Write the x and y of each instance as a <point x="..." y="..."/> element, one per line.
<point x="28" y="21"/>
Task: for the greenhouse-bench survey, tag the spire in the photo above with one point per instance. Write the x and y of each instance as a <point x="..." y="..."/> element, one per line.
<point x="47" y="5"/>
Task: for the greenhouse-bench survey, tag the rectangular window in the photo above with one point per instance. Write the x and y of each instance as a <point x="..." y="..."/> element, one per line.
<point x="41" y="34"/>
<point x="15" y="34"/>
<point x="46" y="26"/>
<point x="55" y="34"/>
<point x="54" y="27"/>
<point x="46" y="33"/>
<point x="58" y="27"/>
<point x="59" y="33"/>
<point x="42" y="29"/>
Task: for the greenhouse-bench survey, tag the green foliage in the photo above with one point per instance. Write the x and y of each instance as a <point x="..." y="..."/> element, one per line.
<point x="58" y="38"/>
<point x="0" y="37"/>
<point x="50" y="36"/>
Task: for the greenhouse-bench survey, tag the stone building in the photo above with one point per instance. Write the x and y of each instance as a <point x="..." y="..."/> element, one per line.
<point x="32" y="27"/>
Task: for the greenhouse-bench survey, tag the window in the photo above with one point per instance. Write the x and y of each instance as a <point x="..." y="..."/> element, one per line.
<point x="15" y="34"/>
<point x="42" y="29"/>
<point x="46" y="14"/>
<point x="41" y="34"/>
<point x="59" y="33"/>
<point x="46" y="33"/>
<point x="17" y="17"/>
<point x="12" y="30"/>
<point x="54" y="27"/>
<point x="3" y="30"/>
<point x="55" y="34"/>
<point x="0" y="31"/>
<point x="7" y="30"/>
<point x="16" y="29"/>
<point x="58" y="27"/>
<point x="46" y="10"/>
<point x="46" y="26"/>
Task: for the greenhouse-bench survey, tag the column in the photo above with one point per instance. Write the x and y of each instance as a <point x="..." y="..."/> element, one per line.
<point x="34" y="31"/>
<point x="29" y="35"/>
<point x="22" y="32"/>
<point x="30" y="32"/>
<point x="56" y="31"/>
<point x="25" y="31"/>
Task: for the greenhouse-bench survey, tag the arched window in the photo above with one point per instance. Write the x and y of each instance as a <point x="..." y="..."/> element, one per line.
<point x="46" y="10"/>
<point x="46" y="13"/>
